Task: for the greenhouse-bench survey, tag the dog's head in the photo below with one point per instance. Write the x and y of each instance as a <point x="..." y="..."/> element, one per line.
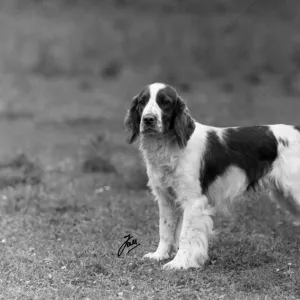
<point x="158" y="111"/>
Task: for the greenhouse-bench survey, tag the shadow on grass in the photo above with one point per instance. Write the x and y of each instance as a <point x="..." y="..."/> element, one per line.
<point x="240" y="255"/>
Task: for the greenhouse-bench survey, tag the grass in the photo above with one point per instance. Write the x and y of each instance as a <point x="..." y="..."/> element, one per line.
<point x="59" y="236"/>
<point x="67" y="248"/>
<point x="71" y="188"/>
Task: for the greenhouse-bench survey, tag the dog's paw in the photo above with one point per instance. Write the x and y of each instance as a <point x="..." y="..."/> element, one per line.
<point x="157" y="255"/>
<point x="179" y="265"/>
<point x="184" y="261"/>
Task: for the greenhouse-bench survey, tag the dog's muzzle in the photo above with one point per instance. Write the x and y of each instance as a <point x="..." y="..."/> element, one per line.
<point x="149" y="120"/>
<point x="149" y="123"/>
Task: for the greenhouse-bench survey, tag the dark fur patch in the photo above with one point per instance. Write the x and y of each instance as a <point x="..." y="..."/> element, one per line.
<point x="166" y="96"/>
<point x="297" y="128"/>
<point x="252" y="149"/>
<point x="175" y="115"/>
<point x="183" y="124"/>
<point x="132" y="121"/>
<point x="133" y="117"/>
<point x="171" y="193"/>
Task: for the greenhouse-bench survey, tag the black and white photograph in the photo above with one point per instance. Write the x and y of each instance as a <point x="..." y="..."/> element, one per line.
<point x="150" y="149"/>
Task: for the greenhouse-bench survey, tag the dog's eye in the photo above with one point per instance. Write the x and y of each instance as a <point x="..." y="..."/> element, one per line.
<point x="142" y="101"/>
<point x="164" y="101"/>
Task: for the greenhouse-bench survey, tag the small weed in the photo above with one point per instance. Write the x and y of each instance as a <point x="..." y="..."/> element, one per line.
<point x="20" y="170"/>
<point x="253" y="78"/>
<point x="96" y="163"/>
<point x="111" y="70"/>
<point x="228" y="87"/>
<point x="136" y="178"/>
<point x="95" y="156"/>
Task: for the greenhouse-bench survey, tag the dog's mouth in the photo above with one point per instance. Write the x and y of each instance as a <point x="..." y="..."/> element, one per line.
<point x="149" y="130"/>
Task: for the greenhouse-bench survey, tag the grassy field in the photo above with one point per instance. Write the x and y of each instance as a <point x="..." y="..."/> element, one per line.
<point x="71" y="188"/>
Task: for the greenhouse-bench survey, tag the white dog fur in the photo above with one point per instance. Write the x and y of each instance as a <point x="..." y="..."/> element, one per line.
<point x="203" y="169"/>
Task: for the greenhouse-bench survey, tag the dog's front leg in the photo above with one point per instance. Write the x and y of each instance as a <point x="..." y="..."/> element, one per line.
<point x="197" y="227"/>
<point x="167" y="227"/>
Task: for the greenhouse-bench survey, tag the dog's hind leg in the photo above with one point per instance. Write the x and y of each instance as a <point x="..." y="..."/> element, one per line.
<point x="285" y="176"/>
<point x="290" y="201"/>
<point x="293" y="202"/>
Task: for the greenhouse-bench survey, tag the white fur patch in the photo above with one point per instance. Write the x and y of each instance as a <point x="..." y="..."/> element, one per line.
<point x="227" y="187"/>
<point x="168" y="223"/>
<point x="152" y="107"/>
<point x="180" y="169"/>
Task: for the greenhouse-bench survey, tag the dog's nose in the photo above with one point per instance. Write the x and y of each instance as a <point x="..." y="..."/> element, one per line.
<point x="149" y="119"/>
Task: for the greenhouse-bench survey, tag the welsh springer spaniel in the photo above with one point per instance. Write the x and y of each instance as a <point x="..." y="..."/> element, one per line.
<point x="195" y="170"/>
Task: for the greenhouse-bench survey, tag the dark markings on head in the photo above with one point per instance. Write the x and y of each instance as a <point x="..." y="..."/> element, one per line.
<point x="178" y="125"/>
<point x="133" y="117"/>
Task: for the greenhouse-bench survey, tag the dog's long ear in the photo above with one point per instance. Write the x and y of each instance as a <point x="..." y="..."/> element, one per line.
<point x="184" y="125"/>
<point x="132" y="121"/>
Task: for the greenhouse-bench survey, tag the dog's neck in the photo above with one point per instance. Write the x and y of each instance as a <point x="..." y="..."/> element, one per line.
<point x="159" y="151"/>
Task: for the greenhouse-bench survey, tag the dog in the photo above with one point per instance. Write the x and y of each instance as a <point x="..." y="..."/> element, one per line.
<point x="195" y="170"/>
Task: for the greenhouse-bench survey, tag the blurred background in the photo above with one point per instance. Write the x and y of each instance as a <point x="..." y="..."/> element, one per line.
<point x="239" y="45"/>
<point x="68" y="72"/>
<point x="232" y="59"/>
<point x="70" y="68"/>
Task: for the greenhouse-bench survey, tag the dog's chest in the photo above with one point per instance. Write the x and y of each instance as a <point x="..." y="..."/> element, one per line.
<point x="162" y="169"/>
<point x="161" y="176"/>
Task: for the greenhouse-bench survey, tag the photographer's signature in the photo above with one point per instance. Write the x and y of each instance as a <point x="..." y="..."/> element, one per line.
<point x="128" y="244"/>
